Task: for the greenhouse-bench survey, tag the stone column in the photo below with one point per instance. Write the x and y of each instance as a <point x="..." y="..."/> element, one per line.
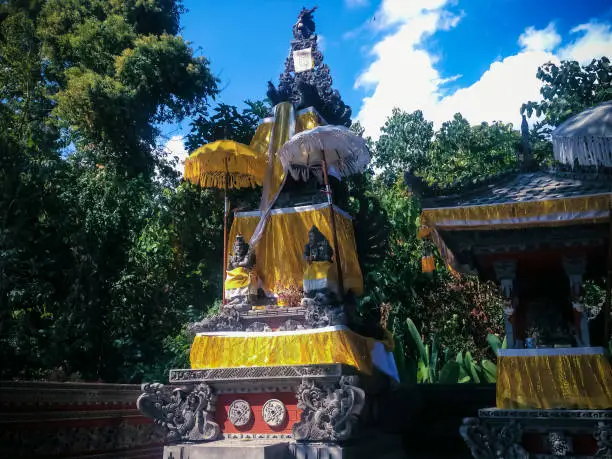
<point x="506" y="274"/>
<point x="574" y="268"/>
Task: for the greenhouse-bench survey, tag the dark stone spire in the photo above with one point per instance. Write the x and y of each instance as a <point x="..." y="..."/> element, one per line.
<point x="309" y="88"/>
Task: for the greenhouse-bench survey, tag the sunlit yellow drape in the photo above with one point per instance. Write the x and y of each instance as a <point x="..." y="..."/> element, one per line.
<point x="279" y="252"/>
<point x="264" y="350"/>
<point x="278" y="130"/>
<point x="521" y="214"/>
<point x="225" y="162"/>
<point x="554" y="381"/>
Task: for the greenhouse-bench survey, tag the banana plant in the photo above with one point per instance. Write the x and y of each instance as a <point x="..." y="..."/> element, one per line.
<point x="462" y="369"/>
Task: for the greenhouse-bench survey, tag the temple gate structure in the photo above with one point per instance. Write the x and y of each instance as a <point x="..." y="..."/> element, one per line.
<point x="540" y="234"/>
<point x="280" y="371"/>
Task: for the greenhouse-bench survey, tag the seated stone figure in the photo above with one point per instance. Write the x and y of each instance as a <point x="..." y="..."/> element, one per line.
<point x="320" y="275"/>
<point x="317" y="248"/>
<point x="242" y="257"/>
<point x="241" y="280"/>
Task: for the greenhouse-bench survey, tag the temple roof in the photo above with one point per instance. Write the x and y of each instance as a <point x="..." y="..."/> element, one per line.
<point x="524" y="187"/>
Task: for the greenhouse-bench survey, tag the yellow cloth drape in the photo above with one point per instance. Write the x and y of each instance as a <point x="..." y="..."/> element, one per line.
<point x="265" y="350"/>
<point x="520" y="214"/>
<point x="554" y="381"/>
<point x="279" y="261"/>
<point x="321" y="274"/>
<point x="278" y="130"/>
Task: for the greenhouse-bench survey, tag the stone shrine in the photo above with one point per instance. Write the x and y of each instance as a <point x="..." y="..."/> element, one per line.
<point x="278" y="372"/>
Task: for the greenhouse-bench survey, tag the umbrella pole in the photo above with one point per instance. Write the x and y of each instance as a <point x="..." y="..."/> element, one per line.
<point x="606" y="308"/>
<point x="225" y="211"/>
<point x="333" y="222"/>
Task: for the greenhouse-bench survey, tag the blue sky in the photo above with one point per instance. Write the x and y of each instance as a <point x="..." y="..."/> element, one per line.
<point x="477" y="57"/>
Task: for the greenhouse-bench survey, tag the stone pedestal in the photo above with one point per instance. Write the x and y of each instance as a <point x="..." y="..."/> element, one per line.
<point x="541" y="434"/>
<point x="379" y="447"/>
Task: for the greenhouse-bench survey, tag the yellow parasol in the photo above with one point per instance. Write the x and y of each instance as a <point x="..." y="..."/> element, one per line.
<point x="225" y="164"/>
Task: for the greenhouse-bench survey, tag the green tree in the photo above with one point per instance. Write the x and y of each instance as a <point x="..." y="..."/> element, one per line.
<point x="227" y="122"/>
<point x="404" y="143"/>
<point x="569" y="88"/>
<point x="95" y="267"/>
<point x="461" y="152"/>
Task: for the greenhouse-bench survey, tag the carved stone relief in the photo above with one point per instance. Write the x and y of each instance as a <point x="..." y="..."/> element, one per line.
<point x="186" y="413"/>
<point x="328" y="414"/>
<point x="240" y="413"/>
<point x="274" y="413"/>
<point x="486" y="442"/>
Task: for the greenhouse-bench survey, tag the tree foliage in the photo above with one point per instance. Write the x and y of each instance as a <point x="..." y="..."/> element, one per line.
<point x="569" y="88"/>
<point x="101" y="255"/>
<point x="457" y="152"/>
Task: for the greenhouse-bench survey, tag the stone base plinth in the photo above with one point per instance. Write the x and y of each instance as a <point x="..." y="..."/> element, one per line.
<point x="229" y="449"/>
<point x="383" y="447"/>
<point x="539" y="434"/>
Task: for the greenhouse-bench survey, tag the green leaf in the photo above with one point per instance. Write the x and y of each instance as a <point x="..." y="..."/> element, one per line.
<point x="494" y="342"/>
<point x="471" y="367"/>
<point x="449" y="373"/>
<point x="489" y="371"/>
<point x="416" y="341"/>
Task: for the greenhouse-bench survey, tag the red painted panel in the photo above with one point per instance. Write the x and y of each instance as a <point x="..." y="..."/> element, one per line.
<point x="257" y="424"/>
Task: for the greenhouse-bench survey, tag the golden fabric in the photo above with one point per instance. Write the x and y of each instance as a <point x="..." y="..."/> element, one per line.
<point x="279" y="128"/>
<point x="240" y="282"/>
<point x="279" y="261"/>
<point x="211" y="164"/>
<point x="319" y="275"/>
<point x="554" y="381"/>
<point x="265" y="350"/>
<point x="307" y="120"/>
<point x="522" y="214"/>
<point x="428" y="264"/>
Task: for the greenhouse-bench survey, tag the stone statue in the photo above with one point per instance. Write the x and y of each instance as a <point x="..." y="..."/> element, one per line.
<point x="312" y="88"/>
<point x="304" y="28"/>
<point x="317" y="248"/>
<point x="242" y="257"/>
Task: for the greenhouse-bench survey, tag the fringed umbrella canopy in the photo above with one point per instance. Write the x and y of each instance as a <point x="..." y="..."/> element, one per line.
<point x="214" y="163"/>
<point x="586" y="137"/>
<point x="345" y="152"/>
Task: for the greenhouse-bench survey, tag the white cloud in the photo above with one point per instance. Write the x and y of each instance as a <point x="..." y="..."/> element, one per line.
<point x="540" y="40"/>
<point x="595" y="42"/>
<point x="176" y="147"/>
<point x="403" y="74"/>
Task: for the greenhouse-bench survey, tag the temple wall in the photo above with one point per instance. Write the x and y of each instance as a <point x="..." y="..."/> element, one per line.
<point x="76" y="420"/>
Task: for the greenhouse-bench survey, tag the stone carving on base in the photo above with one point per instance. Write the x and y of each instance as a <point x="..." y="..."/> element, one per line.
<point x="559" y="443"/>
<point x="227" y="320"/>
<point x="291" y="325"/>
<point x="259" y="327"/>
<point x="239" y="413"/>
<point x="322" y="311"/>
<point x="487" y="442"/>
<point x="185" y="413"/>
<point x="329" y="414"/>
<point x="274" y="413"/>
<point x="603" y="437"/>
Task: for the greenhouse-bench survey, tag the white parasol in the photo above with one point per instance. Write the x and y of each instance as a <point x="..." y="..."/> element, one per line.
<point x="345" y="152"/>
<point x="324" y="150"/>
<point x="586" y="137"/>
